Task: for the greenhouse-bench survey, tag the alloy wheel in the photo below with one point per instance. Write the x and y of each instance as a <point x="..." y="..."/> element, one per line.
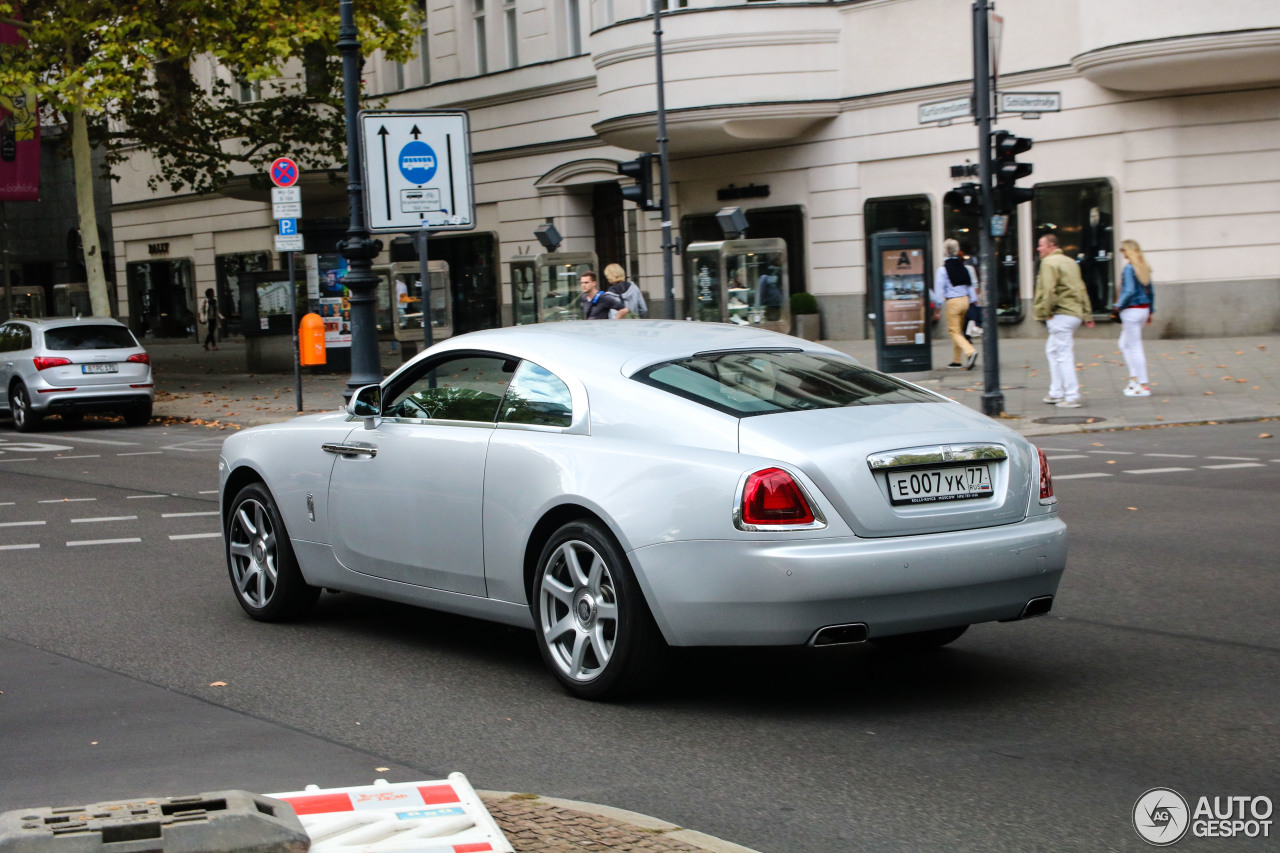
<point x="254" y="557"/>
<point x="578" y="610"/>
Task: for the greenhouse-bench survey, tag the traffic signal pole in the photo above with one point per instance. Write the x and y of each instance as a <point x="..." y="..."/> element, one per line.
<point x="664" y="174"/>
<point x="992" y="395"/>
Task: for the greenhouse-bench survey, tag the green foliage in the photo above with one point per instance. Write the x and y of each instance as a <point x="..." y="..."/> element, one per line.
<point x="803" y="303"/>
<point x="129" y="65"/>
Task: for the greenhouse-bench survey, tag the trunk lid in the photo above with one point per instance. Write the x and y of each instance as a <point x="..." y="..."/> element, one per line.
<point x="851" y="453"/>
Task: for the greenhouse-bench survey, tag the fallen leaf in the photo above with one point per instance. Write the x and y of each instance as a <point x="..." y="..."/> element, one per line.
<point x="1242" y="380"/>
<point x="1260" y="435"/>
<point x="1159" y="417"/>
<point x="93" y="743"/>
<point x="1208" y="393"/>
<point x="1111" y="461"/>
<point x="218" y="684"/>
<point x="381" y="769"/>
<point x="1132" y="508"/>
<point x="1095" y="444"/>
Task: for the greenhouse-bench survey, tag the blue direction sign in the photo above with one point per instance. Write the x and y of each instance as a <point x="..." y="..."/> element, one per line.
<point x="288" y="227"/>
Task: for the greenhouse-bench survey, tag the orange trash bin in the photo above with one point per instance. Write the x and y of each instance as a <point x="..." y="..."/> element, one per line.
<point x="311" y="340"/>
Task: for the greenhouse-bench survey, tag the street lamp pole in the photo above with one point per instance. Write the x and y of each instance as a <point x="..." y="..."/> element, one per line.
<point x="664" y="173"/>
<point x="358" y="248"/>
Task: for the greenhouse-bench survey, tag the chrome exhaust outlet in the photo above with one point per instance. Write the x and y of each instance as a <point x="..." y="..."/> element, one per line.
<point x="840" y="635"/>
<point x="1037" y="607"/>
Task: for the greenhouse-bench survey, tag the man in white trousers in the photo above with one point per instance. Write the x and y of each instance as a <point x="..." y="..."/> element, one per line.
<point x="1062" y="304"/>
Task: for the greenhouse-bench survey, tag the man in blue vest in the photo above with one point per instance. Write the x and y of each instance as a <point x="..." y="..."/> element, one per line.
<point x="597" y="303"/>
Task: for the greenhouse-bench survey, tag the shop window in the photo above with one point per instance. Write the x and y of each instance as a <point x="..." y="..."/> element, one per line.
<point x="964" y="228"/>
<point x="161" y="298"/>
<point x="1081" y="214"/>
<point x="228" y="269"/>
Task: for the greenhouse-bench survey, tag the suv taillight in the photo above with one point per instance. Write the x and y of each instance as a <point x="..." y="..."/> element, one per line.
<point x="44" y="362"/>
<point x="140" y="358"/>
<point x="772" y="497"/>
<point x="1046" y="480"/>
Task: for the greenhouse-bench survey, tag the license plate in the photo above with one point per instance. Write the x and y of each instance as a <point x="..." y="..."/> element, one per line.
<point x="930" y="485"/>
<point x="99" y="368"/>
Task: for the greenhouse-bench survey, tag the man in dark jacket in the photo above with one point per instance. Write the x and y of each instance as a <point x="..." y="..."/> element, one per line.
<point x="597" y="303"/>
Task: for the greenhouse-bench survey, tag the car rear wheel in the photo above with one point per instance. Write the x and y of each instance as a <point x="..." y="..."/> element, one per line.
<point x="138" y="415"/>
<point x="593" y="626"/>
<point x="920" y="640"/>
<point x="264" y="572"/>
<point x="24" y="420"/>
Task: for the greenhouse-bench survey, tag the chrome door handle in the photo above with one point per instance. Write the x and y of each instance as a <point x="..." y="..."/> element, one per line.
<point x="349" y="450"/>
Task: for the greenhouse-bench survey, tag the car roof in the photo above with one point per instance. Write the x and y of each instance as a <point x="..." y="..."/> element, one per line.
<point x="624" y="345"/>
<point x="56" y="322"/>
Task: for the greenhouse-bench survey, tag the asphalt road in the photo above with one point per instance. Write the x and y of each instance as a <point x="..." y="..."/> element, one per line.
<point x="1159" y="666"/>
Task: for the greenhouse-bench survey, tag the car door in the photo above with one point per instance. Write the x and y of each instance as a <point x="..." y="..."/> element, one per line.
<point x="6" y="361"/>
<point x="406" y="497"/>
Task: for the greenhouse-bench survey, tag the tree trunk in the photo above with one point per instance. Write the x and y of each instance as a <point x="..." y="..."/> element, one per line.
<point x="82" y="155"/>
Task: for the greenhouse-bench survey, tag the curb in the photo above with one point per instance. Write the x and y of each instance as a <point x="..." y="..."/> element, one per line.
<point x="650" y="829"/>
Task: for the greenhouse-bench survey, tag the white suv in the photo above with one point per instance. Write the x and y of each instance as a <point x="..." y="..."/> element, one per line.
<point x="71" y="366"/>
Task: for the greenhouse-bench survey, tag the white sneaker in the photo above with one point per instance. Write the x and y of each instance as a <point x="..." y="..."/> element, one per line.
<point x="970" y="360"/>
<point x="1068" y="404"/>
<point x="1130" y="388"/>
<point x="1052" y="400"/>
<point x="1142" y="391"/>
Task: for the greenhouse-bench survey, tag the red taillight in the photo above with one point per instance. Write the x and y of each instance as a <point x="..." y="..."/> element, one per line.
<point x="1046" y="480"/>
<point x="771" y="496"/>
<point x="140" y="358"/>
<point x="44" y="362"/>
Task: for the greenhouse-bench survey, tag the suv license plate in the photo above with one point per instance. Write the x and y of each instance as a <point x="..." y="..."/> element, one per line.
<point x="930" y="485"/>
<point x="99" y="368"/>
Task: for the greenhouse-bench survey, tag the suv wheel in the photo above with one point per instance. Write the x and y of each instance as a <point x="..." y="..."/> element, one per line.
<point x="24" y="420"/>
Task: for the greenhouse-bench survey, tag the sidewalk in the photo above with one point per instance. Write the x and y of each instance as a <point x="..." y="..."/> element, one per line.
<point x="1192" y="381"/>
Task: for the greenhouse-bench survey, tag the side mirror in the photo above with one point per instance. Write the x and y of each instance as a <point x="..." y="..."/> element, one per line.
<point x="366" y="403"/>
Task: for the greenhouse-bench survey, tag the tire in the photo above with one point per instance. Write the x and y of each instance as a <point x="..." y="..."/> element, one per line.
<point x="593" y="627"/>
<point x="264" y="571"/>
<point x="139" y="415"/>
<point x="24" y="419"/>
<point x="921" y="640"/>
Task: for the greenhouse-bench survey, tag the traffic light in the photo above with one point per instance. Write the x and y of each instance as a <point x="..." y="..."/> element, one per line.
<point x="1006" y="170"/>
<point x="965" y="200"/>
<point x="641" y="171"/>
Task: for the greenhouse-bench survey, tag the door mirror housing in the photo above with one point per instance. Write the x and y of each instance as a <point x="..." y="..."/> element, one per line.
<point x="366" y="403"/>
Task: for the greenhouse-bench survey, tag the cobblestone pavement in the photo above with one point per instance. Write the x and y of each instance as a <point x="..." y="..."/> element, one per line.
<point x="534" y="825"/>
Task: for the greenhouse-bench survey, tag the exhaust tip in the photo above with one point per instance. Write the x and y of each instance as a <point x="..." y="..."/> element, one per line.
<point x="1037" y="607"/>
<point x="840" y="635"/>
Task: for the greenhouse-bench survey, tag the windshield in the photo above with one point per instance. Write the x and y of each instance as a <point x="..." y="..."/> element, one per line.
<point x="89" y="337"/>
<point x="761" y="383"/>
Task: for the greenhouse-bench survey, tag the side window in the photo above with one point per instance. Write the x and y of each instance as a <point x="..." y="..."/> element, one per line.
<point x="468" y="388"/>
<point x="537" y="396"/>
<point x="22" y="340"/>
<point x="6" y="338"/>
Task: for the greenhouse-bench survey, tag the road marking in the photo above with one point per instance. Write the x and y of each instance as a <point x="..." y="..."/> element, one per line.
<point x="86" y="456"/>
<point x="67" y="500"/>
<point x="1172" y="455"/>
<point x="195" y="535"/>
<point x="143" y="453"/>
<point x="30" y="459"/>
<point x="1077" y="476"/>
<point x="1154" y="470"/>
<point x="1236" y="465"/>
<point x="84" y="440"/>
<point x="1114" y="452"/>
<point x="101" y="542"/>
<point x="21" y="523"/>
<point x="208" y="492"/>
<point x="1235" y="458"/>
<point x="104" y="518"/>
<point x="8" y="503"/>
<point x="1068" y="456"/>
<point x="143" y="497"/>
<point x="19" y="547"/>
<point x="186" y="514"/>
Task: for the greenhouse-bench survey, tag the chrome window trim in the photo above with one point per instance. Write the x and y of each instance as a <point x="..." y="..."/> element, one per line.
<point x="938" y="454"/>
<point x="819" y="520"/>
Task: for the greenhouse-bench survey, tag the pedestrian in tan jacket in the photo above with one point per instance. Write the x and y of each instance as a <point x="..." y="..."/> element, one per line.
<point x="1062" y="304"/>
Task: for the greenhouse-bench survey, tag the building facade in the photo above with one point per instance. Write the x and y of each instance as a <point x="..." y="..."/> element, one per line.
<point x="806" y="116"/>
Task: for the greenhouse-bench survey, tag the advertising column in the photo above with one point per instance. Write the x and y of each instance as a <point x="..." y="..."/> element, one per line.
<point x="899" y="291"/>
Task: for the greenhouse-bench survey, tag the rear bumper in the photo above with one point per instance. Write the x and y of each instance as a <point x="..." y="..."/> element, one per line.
<point x="739" y="592"/>
<point x="86" y="402"/>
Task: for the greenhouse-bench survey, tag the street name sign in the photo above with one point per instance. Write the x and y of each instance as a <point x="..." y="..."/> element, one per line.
<point x="417" y="171"/>
<point x="946" y="111"/>
<point x="1030" y="102"/>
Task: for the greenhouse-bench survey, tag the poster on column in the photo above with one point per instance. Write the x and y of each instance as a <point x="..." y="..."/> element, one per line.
<point x="335" y="300"/>
<point x="904" y="296"/>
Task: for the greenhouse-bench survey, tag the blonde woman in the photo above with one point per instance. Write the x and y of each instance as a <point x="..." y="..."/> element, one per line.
<point x="627" y="291"/>
<point x="1135" y="305"/>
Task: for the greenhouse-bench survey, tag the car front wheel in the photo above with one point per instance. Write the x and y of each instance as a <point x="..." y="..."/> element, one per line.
<point x="264" y="572"/>
<point x="24" y="420"/>
<point x="593" y="626"/>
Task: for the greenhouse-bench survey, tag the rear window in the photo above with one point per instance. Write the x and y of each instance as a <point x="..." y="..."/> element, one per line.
<point x="760" y="383"/>
<point x="89" y="337"/>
